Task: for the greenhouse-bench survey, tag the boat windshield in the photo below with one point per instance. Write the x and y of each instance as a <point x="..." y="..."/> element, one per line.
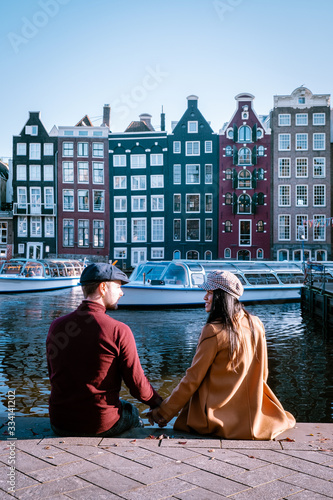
<point x="176" y="275"/>
<point x="152" y="271"/>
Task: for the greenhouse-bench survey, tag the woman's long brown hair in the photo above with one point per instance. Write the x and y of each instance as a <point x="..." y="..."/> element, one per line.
<point x="225" y="310"/>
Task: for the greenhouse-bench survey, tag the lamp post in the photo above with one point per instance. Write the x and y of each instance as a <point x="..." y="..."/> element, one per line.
<point x="301" y="236"/>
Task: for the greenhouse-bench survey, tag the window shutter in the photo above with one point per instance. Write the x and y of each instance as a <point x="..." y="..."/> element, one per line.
<point x="261" y="199"/>
<point x="234" y="203"/>
<point x="234" y="179"/>
<point x="235" y="156"/>
<point x="254" y="178"/>
<point x="254" y="203"/>
<point x="254" y="155"/>
<point x="254" y="133"/>
<point x="235" y="132"/>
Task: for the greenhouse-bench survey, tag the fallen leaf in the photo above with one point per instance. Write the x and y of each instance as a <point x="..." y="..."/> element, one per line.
<point x="151" y="437"/>
<point x="251" y="456"/>
<point x="46" y="447"/>
<point x="182" y="442"/>
<point x="133" y="441"/>
<point x="49" y="456"/>
<point x="310" y="434"/>
<point x="288" y="440"/>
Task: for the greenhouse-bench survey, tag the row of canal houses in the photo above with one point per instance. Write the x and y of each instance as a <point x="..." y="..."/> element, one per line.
<point x="260" y="189"/>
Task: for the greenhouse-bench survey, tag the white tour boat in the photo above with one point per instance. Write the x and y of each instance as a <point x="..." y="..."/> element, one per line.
<point x="177" y="283"/>
<point x="29" y="275"/>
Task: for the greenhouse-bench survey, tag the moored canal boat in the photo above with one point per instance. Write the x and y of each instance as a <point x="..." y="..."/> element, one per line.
<point x="177" y="283"/>
<point x="30" y="275"/>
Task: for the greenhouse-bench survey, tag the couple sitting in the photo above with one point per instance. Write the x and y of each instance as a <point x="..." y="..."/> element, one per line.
<point x="223" y="393"/>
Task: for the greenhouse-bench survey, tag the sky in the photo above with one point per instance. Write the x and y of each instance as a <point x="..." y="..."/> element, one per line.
<point x="67" y="58"/>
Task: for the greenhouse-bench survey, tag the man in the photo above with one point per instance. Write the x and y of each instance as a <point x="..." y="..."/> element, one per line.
<point x="89" y="354"/>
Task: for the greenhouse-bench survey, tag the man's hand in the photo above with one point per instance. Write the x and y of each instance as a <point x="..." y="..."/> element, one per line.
<point x="154" y="416"/>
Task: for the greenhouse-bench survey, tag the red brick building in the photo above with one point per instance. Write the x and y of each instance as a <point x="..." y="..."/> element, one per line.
<point x="244" y="201"/>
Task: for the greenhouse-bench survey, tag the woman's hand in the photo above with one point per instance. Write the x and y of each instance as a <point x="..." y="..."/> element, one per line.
<point x="154" y="416"/>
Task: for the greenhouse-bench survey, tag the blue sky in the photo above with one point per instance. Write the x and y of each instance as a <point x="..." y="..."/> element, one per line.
<point x="67" y="58"/>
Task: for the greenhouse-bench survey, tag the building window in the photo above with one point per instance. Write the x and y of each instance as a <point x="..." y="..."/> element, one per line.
<point x="320" y="255"/>
<point x="22" y="197"/>
<point x="34" y="173"/>
<point x="176" y="147"/>
<point x="284" y="120"/>
<point x="21" y="173"/>
<point x="244" y="134"/>
<point x="260" y="253"/>
<point x="261" y="151"/>
<point x="208" y="203"/>
<point x="301" y="167"/>
<point x="156" y="181"/>
<point x="156" y="159"/>
<point x="319" y="228"/>
<point x="120" y="253"/>
<point x="82" y="149"/>
<point x="157" y="229"/>
<point x="301" y="119"/>
<point x="48" y="172"/>
<point x="3" y="232"/>
<point x="261" y="174"/>
<point x="49" y="227"/>
<point x="193" y="203"/>
<point x="302" y="196"/>
<point x="260" y="226"/>
<point x="244" y="204"/>
<point x="48" y="149"/>
<point x="83" y="233"/>
<point x="319" y="141"/>
<point x="228" y="174"/>
<point x="98" y="172"/>
<point x="228" y="151"/>
<point x="176" y="202"/>
<point x="192" y="174"/>
<point x="208" y="229"/>
<point x="192" y="148"/>
<point x="98" y="233"/>
<point x="192" y="127"/>
<point x="284" y="142"/>
<point x="301" y="227"/>
<point x="35" y="226"/>
<point x="282" y="255"/>
<point x="138" y="182"/>
<point x="83" y="199"/>
<point x="22" y="226"/>
<point x="31" y="129"/>
<point x="68" y="149"/>
<point x="119" y="160"/>
<point x="138" y="161"/>
<point x="227" y="253"/>
<point x="21" y="149"/>
<point x="98" y="149"/>
<point x="318" y="119"/>
<point x="208" y="255"/>
<point x="301" y="142"/>
<point x="68" y="233"/>
<point x="228" y="226"/>
<point x="67" y="171"/>
<point x="284" y="196"/>
<point x="193" y="255"/>
<point x="176" y="230"/>
<point x="139" y="203"/>
<point x="99" y="203"/>
<point x="284" y="167"/>
<point x="120" y="230"/>
<point x="83" y="172"/>
<point x="120" y="182"/>
<point x="319" y="195"/>
<point x="36" y="200"/>
<point x="244" y="156"/>
<point x="157" y="253"/>
<point x="139" y="230"/>
<point x="208" y="146"/>
<point x="120" y="203"/>
<point x="48" y="197"/>
<point x="228" y="199"/>
<point x="208" y="174"/>
<point x="192" y="230"/>
<point x="157" y="203"/>
<point x="244" y="232"/>
<point x="319" y="167"/>
<point x="177" y="174"/>
<point x="244" y="179"/>
<point x="68" y="199"/>
<point x="301" y="100"/>
<point x="284" y="227"/>
<point x="34" y="151"/>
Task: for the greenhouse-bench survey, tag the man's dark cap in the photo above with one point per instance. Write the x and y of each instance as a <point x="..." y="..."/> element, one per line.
<point x="100" y="271"/>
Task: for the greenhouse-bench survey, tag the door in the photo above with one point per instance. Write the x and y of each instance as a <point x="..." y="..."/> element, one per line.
<point x="34" y="250"/>
<point x="138" y="255"/>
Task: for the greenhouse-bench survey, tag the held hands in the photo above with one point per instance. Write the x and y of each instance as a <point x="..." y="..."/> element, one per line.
<point x="154" y="416"/>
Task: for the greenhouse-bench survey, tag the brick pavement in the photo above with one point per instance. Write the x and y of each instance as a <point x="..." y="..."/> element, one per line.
<point x="154" y="464"/>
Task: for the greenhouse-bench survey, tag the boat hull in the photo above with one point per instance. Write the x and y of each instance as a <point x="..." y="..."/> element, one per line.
<point x="18" y="284"/>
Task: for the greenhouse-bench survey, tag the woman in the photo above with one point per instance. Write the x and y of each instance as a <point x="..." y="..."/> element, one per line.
<point x="224" y="392"/>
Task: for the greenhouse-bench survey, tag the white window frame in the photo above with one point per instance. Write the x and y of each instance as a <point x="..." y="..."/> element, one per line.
<point x="102" y="205"/>
<point x="205" y="229"/>
<point x="48" y="195"/>
<point x="98" y="224"/>
<point x="227" y="253"/>
<point x="180" y="203"/>
<point x="98" y="150"/>
<point x="22" y="226"/>
<point x="187" y="172"/>
<point x="239" y="233"/>
<point x="298" y="117"/>
<point x="206" y="175"/>
<point x="144" y="226"/>
<point x="287" y="218"/>
<point x="179" y="167"/>
<point x="135" y="252"/>
<point x="315" y="137"/>
<point x="83" y="227"/>
<point x="120" y="253"/>
<point x="157" y="179"/>
<point x="280" y="251"/>
<point x="84" y="147"/>
<point x="70" y="230"/>
<point x="209" y="211"/>
<point x="297" y="226"/>
<point x="71" y="193"/>
<point x="177" y="147"/>
<point x="68" y="149"/>
<point x="282" y="188"/>
<point x="35" y="226"/>
<point x="21" y="172"/>
<point x="20" y="248"/>
<point x="208" y="146"/>
<point x="306" y="164"/>
<point x="138" y="160"/>
<point x="83" y="167"/>
<point x="49" y="227"/>
<point x="120" y="203"/>
<point x="119" y="161"/>
<point x="173" y="229"/>
<point x="314" y="189"/>
<point x="284" y="138"/>
<point x="34" y="172"/>
<point x="157" y="253"/>
<point x="323" y="175"/>
<point x="156" y="159"/>
<point x="284" y="116"/>
<point x="123" y="234"/>
<point x="189" y="147"/>
<point x="21" y="149"/>
<point x="48" y="173"/>
<point x="192" y="125"/>
<point x="298" y="196"/>
<point x="35" y="200"/>
<point x="299" y="139"/>
<point x="79" y="195"/>
<point x="34" y="151"/>
<point x="317" y="218"/>
<point x="186" y="228"/>
<point x="157" y="221"/>
<point x="158" y="201"/>
<point x="142" y="199"/>
<point x="68" y="170"/>
<point x="187" y="201"/>
<point x="141" y="181"/>
<point x="99" y="171"/>
<point x="48" y="149"/>
<point x="315" y="116"/>
<point x="281" y="167"/>
<point x="122" y="182"/>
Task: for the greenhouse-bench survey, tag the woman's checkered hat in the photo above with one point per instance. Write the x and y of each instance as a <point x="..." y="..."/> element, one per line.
<point x="224" y="280"/>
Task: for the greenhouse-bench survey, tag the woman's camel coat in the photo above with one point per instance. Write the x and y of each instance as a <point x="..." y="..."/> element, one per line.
<point x="230" y="404"/>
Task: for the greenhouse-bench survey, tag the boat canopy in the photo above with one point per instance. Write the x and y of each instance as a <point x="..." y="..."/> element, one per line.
<point x="46" y="268"/>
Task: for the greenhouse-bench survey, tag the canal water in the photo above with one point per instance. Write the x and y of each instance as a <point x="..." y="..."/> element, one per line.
<point x="300" y="351"/>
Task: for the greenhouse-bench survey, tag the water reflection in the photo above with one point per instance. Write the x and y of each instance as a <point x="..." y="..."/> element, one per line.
<point x="300" y="354"/>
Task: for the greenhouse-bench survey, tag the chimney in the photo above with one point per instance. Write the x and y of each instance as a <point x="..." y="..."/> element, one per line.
<point x="162" y="121"/>
<point x="106" y="115"/>
<point x="146" y="118"/>
<point x="192" y="101"/>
